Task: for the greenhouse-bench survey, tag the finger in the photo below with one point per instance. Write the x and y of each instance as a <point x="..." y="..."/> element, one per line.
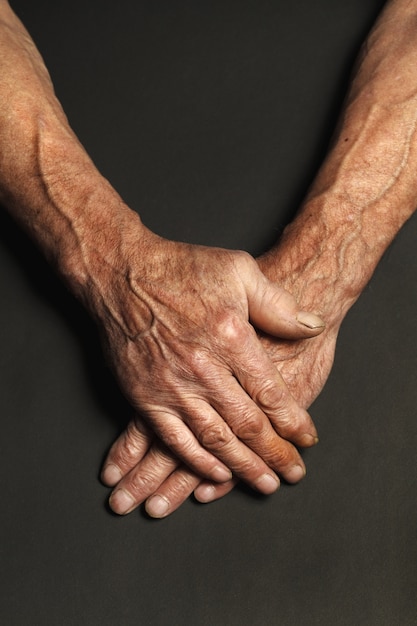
<point x="260" y="378"/>
<point x="143" y="480"/>
<point x="255" y="434"/>
<point x="172" y="493"/>
<point x="232" y="427"/>
<point x="249" y="408"/>
<point x="172" y="429"/>
<point x="213" y="435"/>
<point x="274" y="310"/>
<point x="208" y="492"/>
<point x="128" y="450"/>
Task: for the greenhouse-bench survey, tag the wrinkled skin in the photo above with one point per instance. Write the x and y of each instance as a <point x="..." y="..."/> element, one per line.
<point x="147" y="467"/>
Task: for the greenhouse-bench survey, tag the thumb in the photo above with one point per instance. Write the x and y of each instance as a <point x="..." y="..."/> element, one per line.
<point x="275" y="311"/>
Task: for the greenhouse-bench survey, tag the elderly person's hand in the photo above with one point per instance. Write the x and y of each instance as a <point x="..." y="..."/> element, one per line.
<point x="363" y="194"/>
<point x="147" y="469"/>
<point x="189" y="361"/>
<point x="174" y="318"/>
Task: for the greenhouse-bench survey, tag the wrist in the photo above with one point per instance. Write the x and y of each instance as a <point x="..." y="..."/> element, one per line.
<point x="319" y="261"/>
<point x="71" y="212"/>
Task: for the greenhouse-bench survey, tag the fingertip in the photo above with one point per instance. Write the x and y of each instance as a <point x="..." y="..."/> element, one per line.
<point x="308" y="441"/>
<point x="111" y="475"/>
<point x="311" y="322"/>
<point x="205" y="493"/>
<point x="157" y="506"/>
<point x="267" y="484"/>
<point x="295" y="474"/>
<point x="221" y="474"/>
<point x="122" y="502"/>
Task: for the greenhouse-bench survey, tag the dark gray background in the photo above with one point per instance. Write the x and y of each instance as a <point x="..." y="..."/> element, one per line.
<point x="210" y="119"/>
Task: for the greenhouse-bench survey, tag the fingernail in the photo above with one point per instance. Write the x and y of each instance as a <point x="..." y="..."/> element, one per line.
<point x="295" y="474"/>
<point x="121" y="501"/>
<point x="268" y="483"/>
<point x="310" y="320"/>
<point x="221" y="474"/>
<point x="111" y="475"/>
<point x="307" y="440"/>
<point x="204" y="493"/>
<point x="157" y="506"/>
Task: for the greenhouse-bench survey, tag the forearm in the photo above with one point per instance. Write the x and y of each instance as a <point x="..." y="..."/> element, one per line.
<point x="367" y="186"/>
<point x="47" y="181"/>
<point x="174" y="318"/>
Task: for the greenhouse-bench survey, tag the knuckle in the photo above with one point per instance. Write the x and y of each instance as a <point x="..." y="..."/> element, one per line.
<point x="198" y="360"/>
<point x="282" y="299"/>
<point x="215" y="436"/>
<point x="140" y="484"/>
<point x="181" y="486"/>
<point x="231" y="329"/>
<point x="249" y="427"/>
<point x="271" y="396"/>
<point x="292" y="428"/>
<point x="144" y="480"/>
<point x="287" y="421"/>
<point x="176" y="437"/>
<point x="244" y="260"/>
<point x="248" y="468"/>
<point x="132" y="444"/>
<point x="282" y="457"/>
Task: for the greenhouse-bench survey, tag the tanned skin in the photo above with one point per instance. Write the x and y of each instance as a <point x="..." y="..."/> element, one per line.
<point x="364" y="192"/>
<point x="177" y="320"/>
<point x="226" y="402"/>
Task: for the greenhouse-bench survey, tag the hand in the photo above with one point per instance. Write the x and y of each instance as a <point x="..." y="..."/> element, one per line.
<point x="148" y="470"/>
<point x="174" y="318"/>
<point x="304" y="365"/>
<point x="144" y="468"/>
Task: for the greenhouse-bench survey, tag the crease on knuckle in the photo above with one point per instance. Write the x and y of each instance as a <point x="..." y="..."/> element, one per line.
<point x="247" y="468"/>
<point x="281" y="457"/>
<point x="180" y="486"/>
<point x="132" y="445"/>
<point x="249" y="427"/>
<point x="270" y="396"/>
<point x="141" y="484"/>
<point x="292" y="428"/>
<point x="176" y="438"/>
<point x="287" y="420"/>
<point x="282" y="299"/>
<point x="215" y="436"/>
<point x="144" y="481"/>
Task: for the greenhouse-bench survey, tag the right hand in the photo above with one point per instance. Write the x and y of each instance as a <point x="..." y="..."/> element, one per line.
<point x="176" y="323"/>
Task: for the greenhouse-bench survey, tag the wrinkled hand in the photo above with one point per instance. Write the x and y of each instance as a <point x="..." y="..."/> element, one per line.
<point x="147" y="466"/>
<point x="305" y="367"/>
<point x="179" y="338"/>
<point x="150" y="471"/>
